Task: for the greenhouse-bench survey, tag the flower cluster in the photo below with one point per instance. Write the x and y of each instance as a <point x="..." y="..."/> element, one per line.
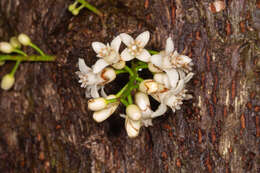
<point x="14" y="46"/>
<point x="171" y="71"/>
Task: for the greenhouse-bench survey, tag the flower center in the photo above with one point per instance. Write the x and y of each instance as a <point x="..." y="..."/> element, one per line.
<point x="135" y="48"/>
<point x="109" y="55"/>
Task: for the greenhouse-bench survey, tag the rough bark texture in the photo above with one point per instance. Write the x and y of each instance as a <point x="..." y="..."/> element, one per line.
<point x="45" y="124"/>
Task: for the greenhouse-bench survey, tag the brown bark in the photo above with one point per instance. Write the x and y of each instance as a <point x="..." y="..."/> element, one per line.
<point x="45" y="124"/>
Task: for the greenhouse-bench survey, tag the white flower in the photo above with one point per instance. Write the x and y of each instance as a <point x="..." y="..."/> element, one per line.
<point x="135" y="48"/>
<point x="92" y="81"/>
<point x="106" y="112"/>
<point x="172" y="96"/>
<point x="169" y="58"/>
<point x="109" y="53"/>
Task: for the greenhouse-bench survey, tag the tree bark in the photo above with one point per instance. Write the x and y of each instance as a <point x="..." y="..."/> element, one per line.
<point x="45" y="124"/>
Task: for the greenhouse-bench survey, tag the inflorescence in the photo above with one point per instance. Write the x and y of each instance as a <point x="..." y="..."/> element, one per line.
<point x="13" y="47"/>
<point x="171" y="71"/>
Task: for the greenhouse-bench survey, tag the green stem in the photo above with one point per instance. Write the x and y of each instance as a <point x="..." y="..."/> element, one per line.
<point x="139" y="79"/>
<point x="15" y="67"/>
<point x="124" y="102"/>
<point x="141" y="67"/>
<point x="26" y="58"/>
<point x="91" y="8"/>
<point x="153" y="52"/>
<point x="111" y="100"/>
<point x="19" y="52"/>
<point x="129" y="70"/>
<point x="122" y="91"/>
<point x="120" y="71"/>
<point x="129" y="98"/>
<point x="37" y="49"/>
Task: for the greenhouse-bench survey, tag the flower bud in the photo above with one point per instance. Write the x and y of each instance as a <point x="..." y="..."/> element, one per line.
<point x="108" y="74"/>
<point x="75" y="12"/>
<point x="6" y="47"/>
<point x="154" y="68"/>
<point x="119" y="65"/>
<point x="132" y="127"/>
<point x="7" y="82"/>
<point x="2" y="63"/>
<point x="15" y="43"/>
<point x="142" y="100"/>
<point x="97" y="104"/>
<point x="148" y="86"/>
<point x="162" y="78"/>
<point x="103" y="114"/>
<point x="133" y="112"/>
<point x="24" y="39"/>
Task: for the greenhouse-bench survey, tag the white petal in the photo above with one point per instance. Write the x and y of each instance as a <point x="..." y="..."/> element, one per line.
<point x="99" y="66"/>
<point x="173" y="77"/>
<point x="157" y="60"/>
<point x="160" y="111"/>
<point x="94" y="91"/>
<point x="169" y="46"/>
<point x="126" y="39"/>
<point x="98" y="46"/>
<point x="115" y="44"/>
<point x="103" y="93"/>
<point x="179" y="87"/>
<point x="188" y="77"/>
<point x="185" y="59"/>
<point x="144" y="56"/>
<point x="126" y="56"/>
<point x="83" y="67"/>
<point x="143" y="38"/>
<point x="88" y="92"/>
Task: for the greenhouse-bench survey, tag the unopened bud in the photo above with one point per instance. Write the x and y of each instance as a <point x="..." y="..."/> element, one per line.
<point x="7" y="82"/>
<point x="119" y="65"/>
<point x="97" y="104"/>
<point x="24" y="39"/>
<point x="132" y="127"/>
<point x="148" y="86"/>
<point x="75" y="12"/>
<point x="162" y="78"/>
<point x="108" y="74"/>
<point x="6" y="47"/>
<point x="142" y="100"/>
<point x="2" y="63"/>
<point x="15" y="43"/>
<point x="133" y="112"/>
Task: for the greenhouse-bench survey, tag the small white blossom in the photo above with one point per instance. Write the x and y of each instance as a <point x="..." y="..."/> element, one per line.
<point x="92" y="81"/>
<point x="109" y="53"/>
<point x="169" y="59"/>
<point x="135" y="48"/>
